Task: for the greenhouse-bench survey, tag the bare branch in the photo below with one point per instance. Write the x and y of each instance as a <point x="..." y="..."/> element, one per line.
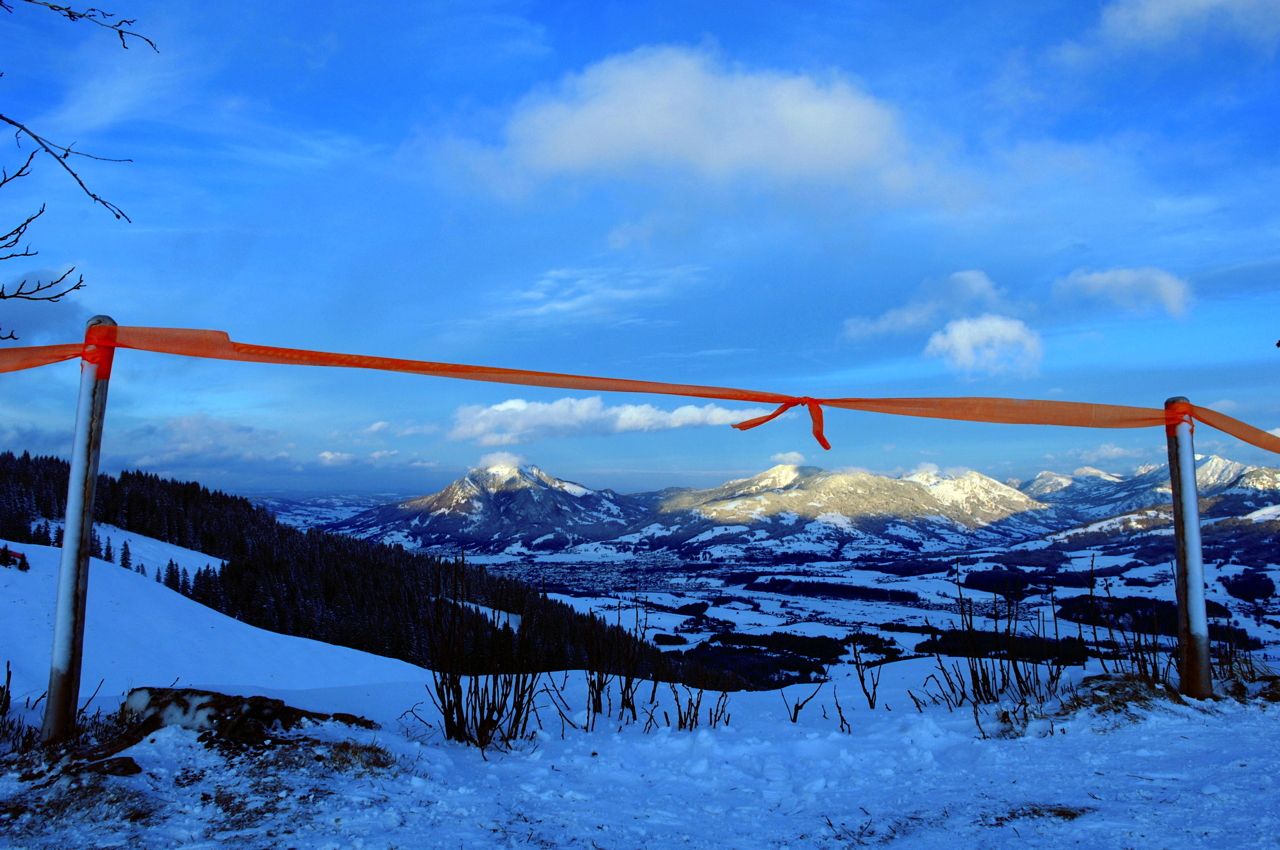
<point x="40" y="290"/>
<point x="95" y="16"/>
<point x="61" y="154"/>
<point x="23" y="170"/>
<point x="11" y="243"/>
<point x="10" y="240"/>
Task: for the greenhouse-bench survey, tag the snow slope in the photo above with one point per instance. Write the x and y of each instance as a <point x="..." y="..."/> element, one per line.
<point x="138" y="632"/>
<point x="1163" y="777"/>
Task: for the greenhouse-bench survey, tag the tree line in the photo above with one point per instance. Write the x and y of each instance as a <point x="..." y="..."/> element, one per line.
<point x="337" y="589"/>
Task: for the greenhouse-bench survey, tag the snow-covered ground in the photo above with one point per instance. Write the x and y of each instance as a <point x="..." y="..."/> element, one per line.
<point x="1161" y="776"/>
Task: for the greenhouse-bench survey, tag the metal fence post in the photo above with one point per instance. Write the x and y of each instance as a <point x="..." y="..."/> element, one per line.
<point x="73" y="574"/>
<point x="1194" y="673"/>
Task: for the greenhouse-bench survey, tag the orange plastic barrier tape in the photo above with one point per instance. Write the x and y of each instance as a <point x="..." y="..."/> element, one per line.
<point x="218" y="345"/>
<point x="29" y="357"/>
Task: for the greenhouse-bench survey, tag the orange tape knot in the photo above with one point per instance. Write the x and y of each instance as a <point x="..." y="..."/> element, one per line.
<point x="1177" y="413"/>
<point x="815" y="414"/>
<point x="100" y="348"/>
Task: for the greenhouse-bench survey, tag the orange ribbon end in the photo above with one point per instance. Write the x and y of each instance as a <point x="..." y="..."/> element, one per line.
<point x="815" y="414"/>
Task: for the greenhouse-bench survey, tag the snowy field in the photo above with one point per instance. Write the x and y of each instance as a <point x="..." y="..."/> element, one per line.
<point x="1159" y="776"/>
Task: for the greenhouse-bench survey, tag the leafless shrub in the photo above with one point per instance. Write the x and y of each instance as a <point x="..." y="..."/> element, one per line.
<point x="845" y="727"/>
<point x="1021" y="686"/>
<point x="688" y="706"/>
<point x="16" y="736"/>
<point x="485" y="710"/>
<point x="795" y="707"/>
<point x="868" y="676"/>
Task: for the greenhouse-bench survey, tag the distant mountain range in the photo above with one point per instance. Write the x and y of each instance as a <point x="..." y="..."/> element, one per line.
<point x="787" y="513"/>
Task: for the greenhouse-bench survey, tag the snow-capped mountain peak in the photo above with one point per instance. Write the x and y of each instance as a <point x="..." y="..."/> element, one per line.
<point x="784" y="476"/>
<point x="501" y="476"/>
<point x="1091" y="494"/>
<point x="1092" y="472"/>
<point x="973" y="493"/>
<point x="1215" y="473"/>
<point x="787" y="509"/>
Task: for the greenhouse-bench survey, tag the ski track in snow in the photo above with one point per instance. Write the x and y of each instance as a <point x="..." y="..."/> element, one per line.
<point x="1166" y="777"/>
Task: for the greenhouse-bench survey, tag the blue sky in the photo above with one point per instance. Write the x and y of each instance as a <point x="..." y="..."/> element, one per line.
<point x="1056" y="200"/>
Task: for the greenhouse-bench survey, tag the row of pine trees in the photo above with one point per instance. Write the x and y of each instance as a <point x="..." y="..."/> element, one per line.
<point x="329" y="587"/>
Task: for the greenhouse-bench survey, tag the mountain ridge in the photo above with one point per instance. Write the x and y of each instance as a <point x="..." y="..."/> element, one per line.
<point x="786" y="511"/>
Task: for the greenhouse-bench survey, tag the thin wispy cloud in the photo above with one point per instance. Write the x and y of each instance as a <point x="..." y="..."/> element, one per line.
<point x="120" y="88"/>
<point x="954" y="294"/>
<point x="413" y="430"/>
<point x="1131" y="289"/>
<point x="1111" y="452"/>
<point x="201" y="437"/>
<point x="1157" y="21"/>
<point x="1127" y="25"/>
<point x="602" y="295"/>
<point x="518" y="421"/>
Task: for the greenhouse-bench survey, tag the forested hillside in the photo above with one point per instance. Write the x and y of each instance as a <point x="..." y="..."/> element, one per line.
<point x="334" y="588"/>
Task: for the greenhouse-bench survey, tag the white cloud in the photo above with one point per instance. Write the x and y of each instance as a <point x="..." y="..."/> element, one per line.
<point x="934" y="300"/>
<point x="1160" y="21"/>
<point x="989" y="343"/>
<point x="518" y="421"/>
<point x="1132" y="289"/>
<point x="680" y="108"/>
<point x="501" y="459"/>
<point x="425" y="464"/>
<point x="382" y="455"/>
<point x="377" y="428"/>
<point x="336" y="458"/>
<point x="788" y="457"/>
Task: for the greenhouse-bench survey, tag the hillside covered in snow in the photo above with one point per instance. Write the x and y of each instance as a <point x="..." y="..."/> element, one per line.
<point x="1155" y="773"/>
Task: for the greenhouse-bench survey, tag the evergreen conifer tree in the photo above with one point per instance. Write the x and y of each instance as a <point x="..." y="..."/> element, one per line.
<point x="108" y="553"/>
<point x="126" y="557"/>
<point x="172" y="578"/>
